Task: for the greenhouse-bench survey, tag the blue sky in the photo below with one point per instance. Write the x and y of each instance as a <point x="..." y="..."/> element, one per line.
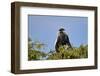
<point x="45" y="29"/>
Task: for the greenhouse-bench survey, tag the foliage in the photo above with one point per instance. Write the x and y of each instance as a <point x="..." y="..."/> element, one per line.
<point x="35" y="52"/>
<point x="38" y="45"/>
<point x="70" y="53"/>
<point x="35" y="55"/>
<point x="30" y="44"/>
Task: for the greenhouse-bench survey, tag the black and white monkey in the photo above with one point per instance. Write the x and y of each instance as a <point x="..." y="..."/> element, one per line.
<point x="62" y="40"/>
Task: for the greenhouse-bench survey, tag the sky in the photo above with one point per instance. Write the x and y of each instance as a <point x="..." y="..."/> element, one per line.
<point x="45" y="29"/>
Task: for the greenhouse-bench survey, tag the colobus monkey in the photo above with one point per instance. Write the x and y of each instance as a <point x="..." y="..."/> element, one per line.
<point x="62" y="39"/>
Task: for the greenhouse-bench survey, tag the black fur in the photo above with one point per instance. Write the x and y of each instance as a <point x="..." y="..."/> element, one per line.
<point x="62" y="39"/>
